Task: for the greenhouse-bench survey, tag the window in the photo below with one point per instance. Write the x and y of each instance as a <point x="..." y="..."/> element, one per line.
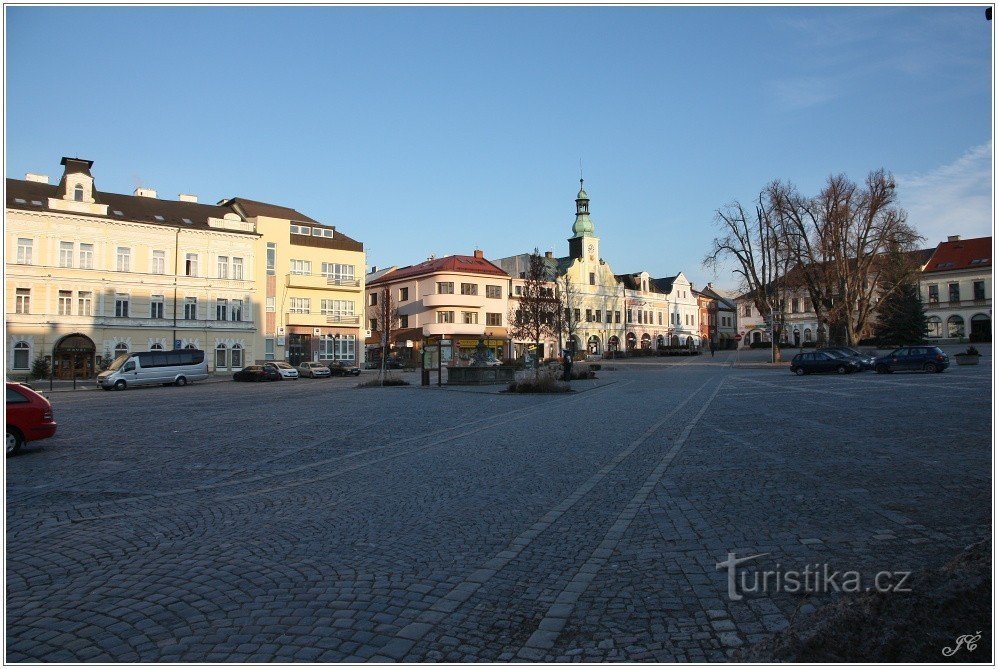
<point x="592" y="278"/>
<point x="660" y="318"/>
<point x="222" y="310"/>
<point x="271" y="304"/>
<point x="237" y="310"/>
<point x="954" y="324"/>
<point x="954" y="292"/>
<point x="301" y="267"/>
<point x="344" y="347"/>
<point x="24" y="250"/>
<point x="301" y="230"/>
<point x="373" y="323"/>
<point x="935" y="327"/>
<point x="469" y="289"/>
<point x="268" y="349"/>
<point x="373" y="299"/>
<point x="237" y="356"/>
<point x="271" y="260"/>
<point x="630" y="316"/>
<point x="124" y="258"/>
<point x="933" y="294"/>
<point x="445" y="288"/>
<point x="156" y="306"/>
<point x="301" y="305"/>
<point x="616" y="317"/>
<point x="121" y="349"/>
<point x="493" y="319"/>
<point x="519" y="290"/>
<point x="403" y="294"/>
<point x="445" y="317"/>
<point x="84" y="302"/>
<point x="121" y="305"/>
<point x="190" y="308"/>
<point x="597" y="318"/>
<point x="493" y="292"/>
<point x="21" y="354"/>
<point x="86" y="256"/>
<point x="65" y="254"/>
<point x="237" y="269"/>
<point x="191" y="264"/>
<point x="589" y="315"/>
<point x="746" y="310"/>
<point x="223" y="267"/>
<point x="979" y="291"/>
<point x="337" y="273"/>
<point x="22" y="301"/>
<point x="65" y="303"/>
<point x="578" y="315"/>
<point x="339" y="308"/>
<point x="793" y="306"/>
<point x="609" y="316"/>
<point x="158" y="262"/>
<point x="78" y="193"/>
<point x="403" y="321"/>
<point x="221" y="356"/>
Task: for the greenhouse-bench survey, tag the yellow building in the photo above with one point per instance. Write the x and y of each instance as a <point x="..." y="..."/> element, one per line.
<point x="90" y="275"/>
<point x="311" y="279"/>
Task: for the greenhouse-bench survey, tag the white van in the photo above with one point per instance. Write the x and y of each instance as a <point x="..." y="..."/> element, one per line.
<point x="155" y="368"/>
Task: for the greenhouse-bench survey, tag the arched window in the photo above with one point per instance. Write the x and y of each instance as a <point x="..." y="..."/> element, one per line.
<point x="156" y="347"/>
<point x="221" y="356"/>
<point x="632" y="341"/>
<point x="236" y="357"/>
<point x="21" y="354"/>
<point x="807" y="334"/>
<point x="660" y="341"/>
<point x="689" y="342"/>
<point x="646" y="341"/>
<point x="78" y="193"/>
<point x="121" y="349"/>
<point x="674" y="341"/>
<point x="191" y="346"/>
<point x="935" y="326"/>
<point x="980" y="327"/>
<point x="954" y="326"/>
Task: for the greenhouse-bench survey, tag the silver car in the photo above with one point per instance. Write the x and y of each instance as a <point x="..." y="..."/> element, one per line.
<point x="284" y="369"/>
<point x="313" y="370"/>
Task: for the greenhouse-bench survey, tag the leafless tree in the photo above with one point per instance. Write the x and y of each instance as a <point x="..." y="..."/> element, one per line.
<point x="569" y="308"/>
<point x="388" y="324"/>
<point x="534" y="313"/>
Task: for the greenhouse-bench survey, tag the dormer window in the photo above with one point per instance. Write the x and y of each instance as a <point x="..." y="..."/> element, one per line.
<point x="78" y="193"/>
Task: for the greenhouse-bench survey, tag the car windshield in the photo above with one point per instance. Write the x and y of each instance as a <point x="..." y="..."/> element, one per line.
<point x="282" y="365"/>
<point x="835" y="354"/>
<point x="117" y="363"/>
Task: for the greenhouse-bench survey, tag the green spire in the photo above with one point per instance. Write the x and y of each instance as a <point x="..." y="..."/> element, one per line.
<point x="583" y="226"/>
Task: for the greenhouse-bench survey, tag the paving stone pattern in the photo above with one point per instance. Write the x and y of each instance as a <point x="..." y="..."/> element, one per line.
<point x="312" y="521"/>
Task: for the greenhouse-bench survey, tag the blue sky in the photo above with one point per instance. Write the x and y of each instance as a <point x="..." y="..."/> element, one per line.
<point x="439" y="130"/>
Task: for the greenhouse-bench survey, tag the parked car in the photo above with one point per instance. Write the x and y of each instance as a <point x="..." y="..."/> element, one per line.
<point x="29" y="417"/>
<point x="284" y="369"/>
<point x="313" y="370"/>
<point x="822" y="361"/>
<point x="913" y="358"/>
<point x="865" y="361"/>
<point x="339" y="369"/>
<point x="152" y="368"/>
<point x="257" y="373"/>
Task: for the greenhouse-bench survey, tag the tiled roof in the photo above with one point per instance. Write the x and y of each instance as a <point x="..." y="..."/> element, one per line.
<point x="961" y="254"/>
<point x="446" y="264"/>
<point x="33" y="196"/>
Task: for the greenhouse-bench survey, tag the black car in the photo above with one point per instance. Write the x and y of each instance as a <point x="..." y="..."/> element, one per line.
<point x="822" y="361"/>
<point x="913" y="358"/>
<point x="257" y="373"/>
<point x="339" y="369"/>
<point x="865" y="361"/>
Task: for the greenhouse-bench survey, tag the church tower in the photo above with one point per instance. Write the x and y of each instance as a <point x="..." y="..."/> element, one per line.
<point x="583" y="244"/>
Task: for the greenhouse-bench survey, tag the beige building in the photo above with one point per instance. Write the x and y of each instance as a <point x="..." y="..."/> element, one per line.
<point x="310" y="278"/>
<point x="90" y="275"/>
<point x="956" y="285"/>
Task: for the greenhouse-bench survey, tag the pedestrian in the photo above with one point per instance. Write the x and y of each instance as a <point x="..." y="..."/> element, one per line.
<point x="567" y="365"/>
<point x="712" y="348"/>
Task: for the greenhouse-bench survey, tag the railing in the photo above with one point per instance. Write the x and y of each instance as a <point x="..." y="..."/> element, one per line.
<point x="343" y="320"/>
<point x="938" y="304"/>
<point x="334" y="281"/>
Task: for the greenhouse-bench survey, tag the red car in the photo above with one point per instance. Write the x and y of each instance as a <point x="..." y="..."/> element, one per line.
<point x="29" y="417"/>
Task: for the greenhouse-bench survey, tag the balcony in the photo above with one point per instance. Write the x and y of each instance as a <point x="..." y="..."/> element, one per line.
<point x="454" y="300"/>
<point x="320" y="320"/>
<point x="455" y="329"/>
<point x="321" y="282"/>
<point x="343" y="320"/>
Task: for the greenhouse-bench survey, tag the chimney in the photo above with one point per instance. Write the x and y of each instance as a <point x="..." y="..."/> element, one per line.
<point x="186" y="197"/>
<point x="144" y="192"/>
<point x="479" y="253"/>
<point x="37" y="178"/>
<point x="953" y="238"/>
<point x="374" y="268"/>
<point x="549" y="254"/>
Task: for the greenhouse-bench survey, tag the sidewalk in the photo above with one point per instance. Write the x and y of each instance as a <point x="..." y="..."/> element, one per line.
<point x="67" y="386"/>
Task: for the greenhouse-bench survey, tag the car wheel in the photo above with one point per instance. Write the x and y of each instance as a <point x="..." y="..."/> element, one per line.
<point x="929" y="367"/>
<point x="14" y="441"/>
<point x="799" y="371"/>
<point x="120" y="385"/>
<point x="883" y="369"/>
<point x="841" y="369"/>
<point x="181" y="381"/>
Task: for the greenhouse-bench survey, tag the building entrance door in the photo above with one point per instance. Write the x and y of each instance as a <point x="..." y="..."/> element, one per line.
<point x="73" y="357"/>
<point x="299" y="349"/>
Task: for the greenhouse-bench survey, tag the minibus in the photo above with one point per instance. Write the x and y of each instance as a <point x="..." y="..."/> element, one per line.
<point x="154" y="367"/>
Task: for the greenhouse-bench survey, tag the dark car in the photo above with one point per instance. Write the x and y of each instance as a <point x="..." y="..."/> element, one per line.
<point x="339" y="369"/>
<point x="822" y="361"/>
<point x="865" y="361"/>
<point x="913" y="358"/>
<point x="29" y="417"/>
<point x="257" y="373"/>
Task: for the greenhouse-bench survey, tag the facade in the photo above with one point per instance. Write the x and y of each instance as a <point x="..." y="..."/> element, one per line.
<point x="722" y="325"/>
<point x="459" y="299"/>
<point x="646" y="312"/>
<point x="310" y="277"/>
<point x="518" y="268"/>
<point x="955" y="286"/>
<point x="91" y="275"/>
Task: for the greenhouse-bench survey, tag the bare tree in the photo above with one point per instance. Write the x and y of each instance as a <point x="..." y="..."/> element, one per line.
<point x="569" y="308"/>
<point x="388" y="323"/>
<point x="534" y="313"/>
<point x="754" y="241"/>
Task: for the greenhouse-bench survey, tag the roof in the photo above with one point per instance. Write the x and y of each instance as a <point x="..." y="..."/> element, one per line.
<point x="454" y="263"/>
<point x="133" y="208"/>
<point x="710" y="293"/>
<point x="253" y="208"/>
<point x="960" y="254"/>
<point x="663" y="285"/>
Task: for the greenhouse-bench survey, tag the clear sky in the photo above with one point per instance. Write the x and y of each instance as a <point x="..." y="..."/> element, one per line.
<point x="442" y="129"/>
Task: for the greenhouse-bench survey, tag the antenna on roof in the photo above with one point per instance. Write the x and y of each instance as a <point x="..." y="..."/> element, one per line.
<point x="580" y="172"/>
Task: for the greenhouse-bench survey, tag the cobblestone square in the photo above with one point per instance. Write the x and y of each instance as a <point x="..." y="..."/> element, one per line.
<point x="314" y="521"/>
